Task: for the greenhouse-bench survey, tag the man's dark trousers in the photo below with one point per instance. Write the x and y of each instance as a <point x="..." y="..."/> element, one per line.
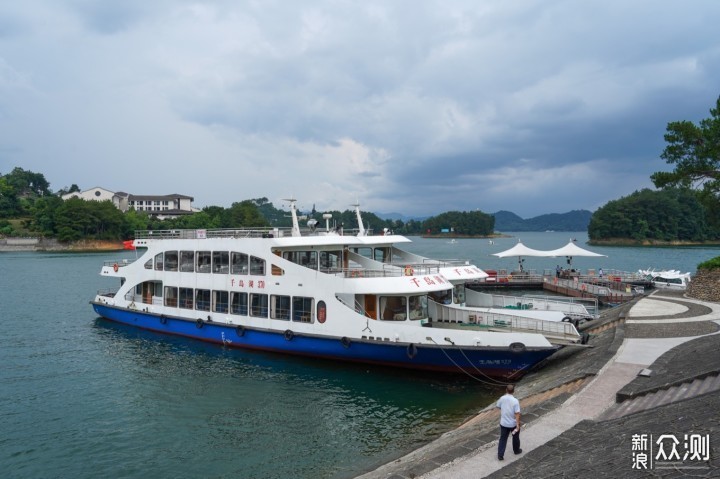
<point x="504" y="433"/>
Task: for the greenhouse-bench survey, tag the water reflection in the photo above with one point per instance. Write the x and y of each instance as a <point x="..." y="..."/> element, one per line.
<point x="327" y="417"/>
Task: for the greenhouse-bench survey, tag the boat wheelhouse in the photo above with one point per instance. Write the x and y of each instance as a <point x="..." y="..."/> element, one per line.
<point x="321" y="293"/>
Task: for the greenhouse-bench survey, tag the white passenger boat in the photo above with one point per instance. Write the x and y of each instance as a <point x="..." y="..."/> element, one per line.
<point x="320" y="293"/>
<point x="667" y="279"/>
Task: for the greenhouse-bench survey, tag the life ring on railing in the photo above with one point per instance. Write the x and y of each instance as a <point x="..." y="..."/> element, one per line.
<point x="289" y="335"/>
<point x="116" y="267"/>
<point x="409" y="270"/>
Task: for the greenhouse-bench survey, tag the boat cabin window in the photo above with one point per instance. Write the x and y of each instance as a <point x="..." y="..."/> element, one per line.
<point x="159" y="262"/>
<point x="202" y="299"/>
<point x="393" y="308"/>
<point x="149" y="264"/>
<point x="221" y="262"/>
<point x="280" y="307"/>
<point x="259" y="305"/>
<point x="171" y="260"/>
<point x="302" y="309"/>
<point x="459" y="294"/>
<point x="382" y="255"/>
<point x="203" y="261"/>
<point x="171" y="296"/>
<point x="185" y="298"/>
<point x="366" y="252"/>
<point x="331" y="260"/>
<point x="303" y="258"/>
<point x="187" y="261"/>
<point x="418" y="307"/>
<point x="442" y="297"/>
<point x="220" y="301"/>
<point x="239" y="303"/>
<point x="239" y="263"/>
<point x="257" y="266"/>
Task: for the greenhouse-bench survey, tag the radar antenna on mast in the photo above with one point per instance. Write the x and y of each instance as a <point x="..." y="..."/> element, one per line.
<point x="293" y="213"/>
<point x="361" y="227"/>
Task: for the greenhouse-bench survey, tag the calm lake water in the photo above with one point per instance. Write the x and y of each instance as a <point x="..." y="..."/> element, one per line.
<point x="82" y="397"/>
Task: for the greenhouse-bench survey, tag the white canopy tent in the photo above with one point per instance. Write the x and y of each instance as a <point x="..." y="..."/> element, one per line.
<point x="570" y="250"/>
<point x="521" y="250"/>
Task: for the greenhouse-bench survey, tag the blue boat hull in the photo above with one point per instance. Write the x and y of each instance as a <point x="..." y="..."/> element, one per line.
<point x="497" y="363"/>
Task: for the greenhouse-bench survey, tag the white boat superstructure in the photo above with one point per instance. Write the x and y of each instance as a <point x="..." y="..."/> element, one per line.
<point x="667" y="279"/>
<point x="316" y="292"/>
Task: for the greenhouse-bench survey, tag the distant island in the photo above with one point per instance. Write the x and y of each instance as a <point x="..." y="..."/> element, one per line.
<point x="576" y="220"/>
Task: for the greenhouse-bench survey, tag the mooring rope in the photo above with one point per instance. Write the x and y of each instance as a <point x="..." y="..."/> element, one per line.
<point x="494" y="382"/>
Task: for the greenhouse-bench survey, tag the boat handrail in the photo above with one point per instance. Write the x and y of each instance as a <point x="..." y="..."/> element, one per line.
<point x="108" y="292"/>
<point x="505" y="322"/>
<point x="120" y="263"/>
<point x="391" y="272"/>
<point x="231" y="233"/>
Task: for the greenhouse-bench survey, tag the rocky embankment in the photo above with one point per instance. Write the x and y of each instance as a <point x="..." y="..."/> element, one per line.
<point x="705" y="285"/>
<point x="45" y="244"/>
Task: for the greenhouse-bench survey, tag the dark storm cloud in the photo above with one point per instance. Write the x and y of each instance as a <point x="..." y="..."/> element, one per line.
<point x="418" y="107"/>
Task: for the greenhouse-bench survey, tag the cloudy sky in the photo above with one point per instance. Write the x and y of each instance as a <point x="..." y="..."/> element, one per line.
<point x="416" y="107"/>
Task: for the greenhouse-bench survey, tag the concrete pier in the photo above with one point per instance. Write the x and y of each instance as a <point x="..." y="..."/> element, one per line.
<point x="654" y="372"/>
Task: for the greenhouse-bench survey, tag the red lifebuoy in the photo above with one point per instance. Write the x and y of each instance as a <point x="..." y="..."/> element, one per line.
<point x="409" y="271"/>
<point x="116" y="267"/>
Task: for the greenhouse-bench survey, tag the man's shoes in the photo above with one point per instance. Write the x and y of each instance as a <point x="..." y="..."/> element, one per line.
<point x="501" y="458"/>
<point x="519" y="452"/>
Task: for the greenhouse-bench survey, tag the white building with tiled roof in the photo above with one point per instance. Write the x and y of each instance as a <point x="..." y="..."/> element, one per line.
<point x="162" y="206"/>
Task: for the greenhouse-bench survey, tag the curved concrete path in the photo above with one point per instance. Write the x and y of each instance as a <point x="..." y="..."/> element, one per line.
<point x="634" y="355"/>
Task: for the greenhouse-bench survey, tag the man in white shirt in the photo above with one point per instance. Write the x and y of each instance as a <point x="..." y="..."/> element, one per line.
<point x="509" y="421"/>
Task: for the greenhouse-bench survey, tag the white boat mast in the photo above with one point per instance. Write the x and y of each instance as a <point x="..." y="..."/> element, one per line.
<point x="293" y="213"/>
<point x="361" y="228"/>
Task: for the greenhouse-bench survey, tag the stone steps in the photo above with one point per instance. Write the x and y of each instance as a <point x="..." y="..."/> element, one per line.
<point x="694" y="388"/>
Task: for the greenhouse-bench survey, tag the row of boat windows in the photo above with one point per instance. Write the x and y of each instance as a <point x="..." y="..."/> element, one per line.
<point x="333" y="260"/>
<point x="220" y="262"/>
<point x="259" y="305"/>
<point x="224" y="262"/>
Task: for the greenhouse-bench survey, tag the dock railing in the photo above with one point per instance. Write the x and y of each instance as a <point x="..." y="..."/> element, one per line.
<point x="456" y="316"/>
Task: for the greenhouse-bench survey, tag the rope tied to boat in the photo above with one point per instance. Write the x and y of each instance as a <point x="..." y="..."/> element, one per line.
<point x="490" y="381"/>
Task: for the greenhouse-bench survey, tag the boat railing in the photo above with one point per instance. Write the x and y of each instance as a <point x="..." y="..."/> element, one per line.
<point x="108" y="292"/>
<point x="574" y="306"/>
<point x="391" y="271"/>
<point x="447" y="263"/>
<point x="120" y="264"/>
<point x="571" y="306"/>
<point x="467" y="317"/>
<point x="233" y="233"/>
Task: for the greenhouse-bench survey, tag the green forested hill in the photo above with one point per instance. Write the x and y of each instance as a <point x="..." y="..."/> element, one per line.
<point x="576" y="220"/>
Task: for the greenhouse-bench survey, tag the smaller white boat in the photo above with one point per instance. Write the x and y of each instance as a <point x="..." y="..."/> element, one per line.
<point x="452" y="241"/>
<point x="667" y="279"/>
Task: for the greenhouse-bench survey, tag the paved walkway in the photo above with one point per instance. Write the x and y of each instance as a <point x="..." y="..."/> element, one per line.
<point x="677" y="320"/>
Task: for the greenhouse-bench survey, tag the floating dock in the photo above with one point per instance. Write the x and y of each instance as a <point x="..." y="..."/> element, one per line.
<point x="613" y="289"/>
